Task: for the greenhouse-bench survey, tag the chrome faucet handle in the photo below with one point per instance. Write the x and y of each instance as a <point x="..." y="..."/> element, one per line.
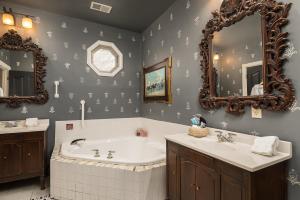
<point x="97" y="154"/>
<point x="230" y="136"/>
<point x="110" y="154"/>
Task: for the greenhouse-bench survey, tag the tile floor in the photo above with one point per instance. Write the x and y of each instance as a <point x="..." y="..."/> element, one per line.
<point x="24" y="190"/>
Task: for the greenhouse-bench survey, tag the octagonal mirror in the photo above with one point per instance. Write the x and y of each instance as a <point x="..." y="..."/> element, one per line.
<point x="105" y="58"/>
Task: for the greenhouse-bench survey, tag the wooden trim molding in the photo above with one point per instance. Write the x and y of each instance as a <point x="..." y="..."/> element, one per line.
<point x="13" y="41"/>
<point x="279" y="93"/>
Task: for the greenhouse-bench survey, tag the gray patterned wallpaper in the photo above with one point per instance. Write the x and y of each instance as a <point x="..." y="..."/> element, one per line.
<point x="178" y="32"/>
<point x="65" y="40"/>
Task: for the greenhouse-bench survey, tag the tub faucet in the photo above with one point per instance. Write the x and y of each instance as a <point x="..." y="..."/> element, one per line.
<point x="110" y="154"/>
<point x="77" y="140"/>
<point x="225" y="138"/>
<point x="97" y="154"/>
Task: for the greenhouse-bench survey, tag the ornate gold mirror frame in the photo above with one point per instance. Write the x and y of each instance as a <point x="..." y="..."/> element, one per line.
<point x="279" y="93"/>
<point x="13" y="41"/>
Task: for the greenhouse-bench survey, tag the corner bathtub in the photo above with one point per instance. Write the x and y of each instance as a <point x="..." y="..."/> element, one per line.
<point x="126" y="151"/>
<point x="137" y="170"/>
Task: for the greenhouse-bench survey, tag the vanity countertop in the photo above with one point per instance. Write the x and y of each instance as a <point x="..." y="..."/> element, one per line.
<point x="43" y="125"/>
<point x="238" y="153"/>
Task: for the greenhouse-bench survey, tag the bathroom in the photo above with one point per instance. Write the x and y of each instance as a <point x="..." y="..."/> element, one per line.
<point x="75" y="98"/>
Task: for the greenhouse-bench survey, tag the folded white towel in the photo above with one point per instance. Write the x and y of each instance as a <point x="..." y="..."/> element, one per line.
<point x="1" y="92"/>
<point x="266" y="146"/>
<point x="31" y="122"/>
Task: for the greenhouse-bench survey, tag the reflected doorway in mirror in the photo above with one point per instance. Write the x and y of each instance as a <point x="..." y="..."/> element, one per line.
<point x="252" y="79"/>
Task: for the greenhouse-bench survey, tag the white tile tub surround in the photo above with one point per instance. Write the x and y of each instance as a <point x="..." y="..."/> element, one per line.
<point x="75" y="179"/>
<point x="86" y="180"/>
<point x="113" y="128"/>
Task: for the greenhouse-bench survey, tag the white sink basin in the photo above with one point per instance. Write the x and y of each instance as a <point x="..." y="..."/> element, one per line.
<point x="42" y="126"/>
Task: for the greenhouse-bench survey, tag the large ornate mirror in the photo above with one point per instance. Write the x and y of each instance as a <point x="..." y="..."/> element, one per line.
<point x="21" y="71"/>
<point x="243" y="60"/>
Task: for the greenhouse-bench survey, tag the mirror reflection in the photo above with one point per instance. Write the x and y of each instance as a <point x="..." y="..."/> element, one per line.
<point x="16" y="73"/>
<point x="237" y="54"/>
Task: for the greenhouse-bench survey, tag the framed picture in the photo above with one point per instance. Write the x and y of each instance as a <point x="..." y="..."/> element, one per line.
<point x="157" y="82"/>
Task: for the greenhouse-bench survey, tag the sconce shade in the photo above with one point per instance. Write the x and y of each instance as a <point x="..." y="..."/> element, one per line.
<point x="27" y="22"/>
<point x="8" y="19"/>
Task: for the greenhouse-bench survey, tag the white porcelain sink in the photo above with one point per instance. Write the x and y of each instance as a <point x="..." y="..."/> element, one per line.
<point x="237" y="153"/>
<point x="6" y="124"/>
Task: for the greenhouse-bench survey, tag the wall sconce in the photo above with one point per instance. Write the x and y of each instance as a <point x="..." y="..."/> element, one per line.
<point x="8" y="18"/>
<point x="27" y="22"/>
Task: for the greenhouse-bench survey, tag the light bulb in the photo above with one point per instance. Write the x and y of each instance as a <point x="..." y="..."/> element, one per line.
<point x="216" y="57"/>
<point x="27" y="22"/>
<point x="8" y="19"/>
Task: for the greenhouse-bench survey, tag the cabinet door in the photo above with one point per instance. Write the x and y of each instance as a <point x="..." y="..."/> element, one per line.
<point x="32" y="156"/>
<point x="187" y="180"/>
<point x="231" y="189"/>
<point x="10" y="160"/>
<point x="207" y="184"/>
<point x="172" y="175"/>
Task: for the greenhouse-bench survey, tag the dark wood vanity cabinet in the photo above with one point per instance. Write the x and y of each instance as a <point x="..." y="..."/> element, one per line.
<point x="195" y="176"/>
<point x="22" y="155"/>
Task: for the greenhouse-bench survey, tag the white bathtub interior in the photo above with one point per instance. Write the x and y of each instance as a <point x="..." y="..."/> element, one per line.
<point x="124" y="150"/>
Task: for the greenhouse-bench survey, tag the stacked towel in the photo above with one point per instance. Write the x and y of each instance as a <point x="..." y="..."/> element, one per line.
<point x="31" y="122"/>
<point x="266" y="146"/>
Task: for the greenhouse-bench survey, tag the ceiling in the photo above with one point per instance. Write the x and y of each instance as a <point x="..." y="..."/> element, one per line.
<point x="134" y="15"/>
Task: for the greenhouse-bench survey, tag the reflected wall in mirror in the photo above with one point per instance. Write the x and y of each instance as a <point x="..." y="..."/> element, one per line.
<point x="22" y="71"/>
<point x="16" y="73"/>
<point x="237" y="59"/>
<point x="242" y="53"/>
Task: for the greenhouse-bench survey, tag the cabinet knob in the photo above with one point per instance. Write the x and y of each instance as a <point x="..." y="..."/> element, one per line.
<point x="28" y="154"/>
<point x="197" y="188"/>
<point x="4" y="157"/>
<point x="173" y="172"/>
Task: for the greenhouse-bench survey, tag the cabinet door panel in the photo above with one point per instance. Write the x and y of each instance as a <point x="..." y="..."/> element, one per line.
<point x="231" y="189"/>
<point x="188" y="180"/>
<point x="207" y="184"/>
<point x="10" y="160"/>
<point x="32" y="156"/>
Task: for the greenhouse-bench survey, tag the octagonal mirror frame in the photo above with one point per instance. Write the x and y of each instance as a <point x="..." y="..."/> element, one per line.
<point x="105" y="45"/>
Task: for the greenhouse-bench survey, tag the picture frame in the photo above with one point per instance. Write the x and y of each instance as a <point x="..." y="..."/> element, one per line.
<point x="157" y="82"/>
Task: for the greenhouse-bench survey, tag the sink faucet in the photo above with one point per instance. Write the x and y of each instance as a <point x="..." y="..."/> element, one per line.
<point x="225" y="138"/>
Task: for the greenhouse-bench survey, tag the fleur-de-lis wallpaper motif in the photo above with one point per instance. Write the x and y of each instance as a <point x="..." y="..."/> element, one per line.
<point x="295" y="107"/>
<point x="24" y="110"/>
<point x="293" y="178"/>
<point x="290" y="51"/>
